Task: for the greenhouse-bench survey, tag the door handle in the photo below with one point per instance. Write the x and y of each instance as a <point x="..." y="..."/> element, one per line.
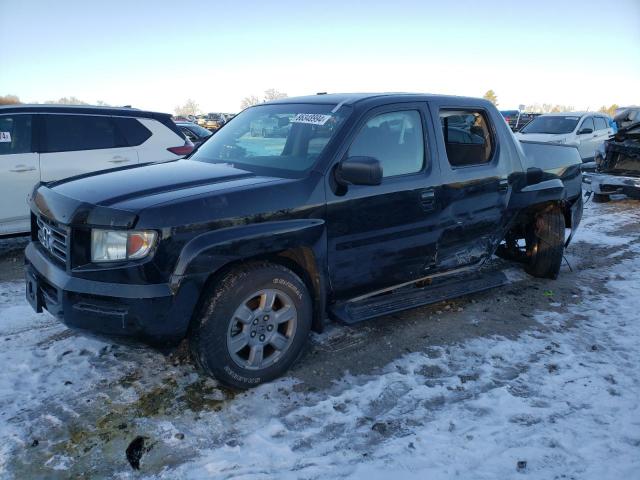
<point x="118" y="159"/>
<point x="503" y="185"/>
<point x="22" y="168"/>
<point x="428" y="199"/>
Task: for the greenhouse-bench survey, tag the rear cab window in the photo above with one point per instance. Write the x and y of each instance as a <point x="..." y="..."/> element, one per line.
<point x="134" y="132"/>
<point x="15" y="134"/>
<point x="467" y="137"/>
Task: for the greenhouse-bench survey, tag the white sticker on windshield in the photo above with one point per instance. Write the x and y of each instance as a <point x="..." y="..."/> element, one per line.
<point x="572" y="118"/>
<point x="5" y="137"/>
<point x="311" y="118"/>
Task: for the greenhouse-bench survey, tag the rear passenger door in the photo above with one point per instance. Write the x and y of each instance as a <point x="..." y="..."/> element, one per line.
<point x="603" y="131"/>
<point x="73" y="144"/>
<point x="475" y="184"/>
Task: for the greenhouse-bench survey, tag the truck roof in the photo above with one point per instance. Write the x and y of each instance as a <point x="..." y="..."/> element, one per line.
<point x="381" y="98"/>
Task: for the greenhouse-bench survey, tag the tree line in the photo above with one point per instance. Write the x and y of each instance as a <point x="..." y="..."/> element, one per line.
<point x="550" y="108"/>
<point x="191" y="107"/>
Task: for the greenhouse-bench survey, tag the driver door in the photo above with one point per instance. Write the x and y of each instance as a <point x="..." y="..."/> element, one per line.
<point x="385" y="235"/>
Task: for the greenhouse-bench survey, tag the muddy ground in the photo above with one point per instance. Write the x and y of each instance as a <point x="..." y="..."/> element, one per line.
<point x="94" y="426"/>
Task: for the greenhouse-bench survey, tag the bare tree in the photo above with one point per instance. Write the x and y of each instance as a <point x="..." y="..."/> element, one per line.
<point x="548" y="107"/>
<point x="190" y="107"/>
<point x="611" y="111"/>
<point x="249" y="101"/>
<point x="491" y="96"/>
<point x="67" y="101"/>
<point x="269" y="94"/>
<point x="9" y="100"/>
<point x="273" y="94"/>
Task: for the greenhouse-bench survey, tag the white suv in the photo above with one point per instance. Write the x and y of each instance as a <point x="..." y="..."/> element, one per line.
<point x="586" y="131"/>
<point x="43" y="143"/>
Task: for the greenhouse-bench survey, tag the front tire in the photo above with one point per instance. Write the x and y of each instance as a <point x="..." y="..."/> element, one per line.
<point x="601" y="198"/>
<point x="253" y="325"/>
<point x="545" y="244"/>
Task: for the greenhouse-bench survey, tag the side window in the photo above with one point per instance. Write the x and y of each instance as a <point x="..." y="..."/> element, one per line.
<point x="66" y="133"/>
<point x="15" y="134"/>
<point x="587" y="123"/>
<point x="467" y="137"/>
<point x="134" y="132"/>
<point x="601" y="123"/>
<point x="395" y="139"/>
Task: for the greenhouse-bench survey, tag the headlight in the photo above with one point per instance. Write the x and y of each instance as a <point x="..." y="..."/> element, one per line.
<point x="560" y="141"/>
<point x="117" y="245"/>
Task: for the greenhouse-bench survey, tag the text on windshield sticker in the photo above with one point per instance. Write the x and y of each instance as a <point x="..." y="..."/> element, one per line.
<point x="311" y="118"/>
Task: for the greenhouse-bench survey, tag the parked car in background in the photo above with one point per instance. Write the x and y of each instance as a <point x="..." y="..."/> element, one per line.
<point x="517" y="119"/>
<point x="214" y="121"/>
<point x="275" y="126"/>
<point x="194" y="132"/>
<point x="584" y="130"/>
<point x="618" y="169"/>
<point x="368" y="206"/>
<point x="44" y="143"/>
<point x="201" y="120"/>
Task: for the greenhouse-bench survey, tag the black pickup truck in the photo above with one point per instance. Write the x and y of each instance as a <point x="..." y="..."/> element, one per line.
<point x="370" y="204"/>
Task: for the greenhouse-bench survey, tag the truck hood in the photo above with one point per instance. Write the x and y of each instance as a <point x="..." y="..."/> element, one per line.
<point x="138" y="187"/>
<point x="116" y="197"/>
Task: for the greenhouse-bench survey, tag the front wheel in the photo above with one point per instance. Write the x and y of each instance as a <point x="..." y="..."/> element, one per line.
<point x="601" y="198"/>
<point x="545" y="243"/>
<point x="253" y="326"/>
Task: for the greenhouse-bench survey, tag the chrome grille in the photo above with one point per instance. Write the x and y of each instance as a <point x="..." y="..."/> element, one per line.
<point x="54" y="238"/>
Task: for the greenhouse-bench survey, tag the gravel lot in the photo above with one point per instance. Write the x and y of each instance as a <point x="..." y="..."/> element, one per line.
<point x="539" y="378"/>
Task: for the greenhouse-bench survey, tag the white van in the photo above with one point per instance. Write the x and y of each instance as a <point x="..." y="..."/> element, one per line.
<point x="43" y="143"/>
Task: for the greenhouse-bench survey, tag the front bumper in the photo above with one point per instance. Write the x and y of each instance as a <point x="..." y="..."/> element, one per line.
<point x="155" y="314"/>
<point x="607" y="184"/>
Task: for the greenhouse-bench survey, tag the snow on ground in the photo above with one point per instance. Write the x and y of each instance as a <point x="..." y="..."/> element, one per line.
<point x="561" y="401"/>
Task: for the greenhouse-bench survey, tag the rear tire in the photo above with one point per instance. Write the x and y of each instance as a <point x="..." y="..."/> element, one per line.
<point x="601" y="198"/>
<point x="253" y="326"/>
<point x="545" y="244"/>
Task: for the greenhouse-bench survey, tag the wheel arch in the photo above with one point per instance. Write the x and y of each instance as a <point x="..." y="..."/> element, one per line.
<point x="299" y="245"/>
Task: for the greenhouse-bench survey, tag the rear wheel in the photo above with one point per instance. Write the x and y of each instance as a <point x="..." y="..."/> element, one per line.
<point x="253" y="326"/>
<point x="601" y="198"/>
<point x="545" y="243"/>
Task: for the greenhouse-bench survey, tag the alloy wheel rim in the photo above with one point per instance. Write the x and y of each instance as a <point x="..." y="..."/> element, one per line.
<point x="262" y="329"/>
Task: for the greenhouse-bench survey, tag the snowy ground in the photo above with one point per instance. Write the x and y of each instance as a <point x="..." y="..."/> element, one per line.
<point x="541" y="380"/>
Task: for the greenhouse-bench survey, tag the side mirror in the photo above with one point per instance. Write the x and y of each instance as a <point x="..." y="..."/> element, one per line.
<point x="283" y="121"/>
<point x="584" y="131"/>
<point x="534" y="175"/>
<point x="359" y="171"/>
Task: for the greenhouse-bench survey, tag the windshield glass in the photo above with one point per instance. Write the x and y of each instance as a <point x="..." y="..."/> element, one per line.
<point x="552" y="124"/>
<point x="272" y="139"/>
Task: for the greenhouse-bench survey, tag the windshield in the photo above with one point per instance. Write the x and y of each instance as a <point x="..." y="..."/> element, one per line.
<point x="274" y="139"/>
<point x="552" y="124"/>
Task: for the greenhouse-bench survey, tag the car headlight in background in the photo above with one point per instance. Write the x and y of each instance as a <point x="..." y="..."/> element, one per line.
<point x="559" y="141"/>
<point x="118" y="245"/>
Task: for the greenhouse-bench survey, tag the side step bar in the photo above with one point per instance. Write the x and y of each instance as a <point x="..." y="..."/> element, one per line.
<point x="351" y="312"/>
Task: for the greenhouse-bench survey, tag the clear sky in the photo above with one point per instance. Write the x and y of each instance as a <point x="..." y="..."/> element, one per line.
<point x="156" y="54"/>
